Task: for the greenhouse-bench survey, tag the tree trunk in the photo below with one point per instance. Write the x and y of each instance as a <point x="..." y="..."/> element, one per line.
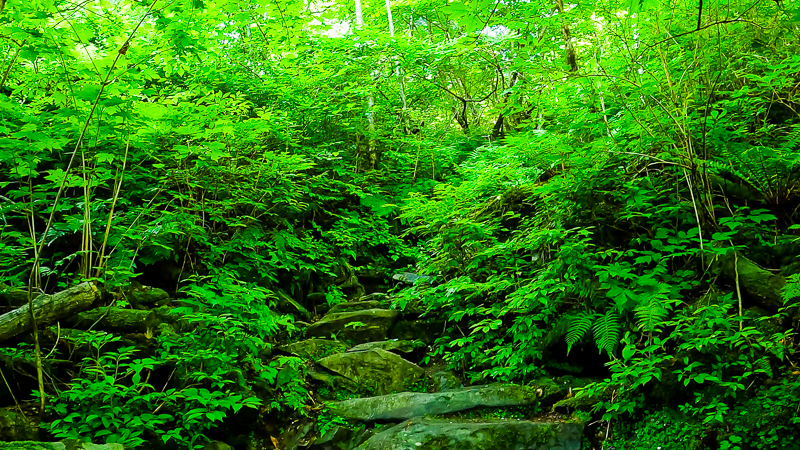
<point x="572" y="59"/>
<point x="372" y="145"/>
<point x="48" y="309"/>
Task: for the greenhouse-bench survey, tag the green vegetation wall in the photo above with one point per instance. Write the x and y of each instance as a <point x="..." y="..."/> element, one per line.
<point x="605" y="189"/>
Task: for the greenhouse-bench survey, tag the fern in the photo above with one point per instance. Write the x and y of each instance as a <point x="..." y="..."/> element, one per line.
<point x="652" y="313"/>
<point x="791" y="292"/>
<point x="579" y="324"/>
<point x="772" y="171"/>
<point x="606" y="331"/>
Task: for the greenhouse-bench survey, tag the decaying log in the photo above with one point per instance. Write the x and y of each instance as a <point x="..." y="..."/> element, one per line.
<point x="48" y="309"/>
<point x="762" y="286"/>
<point x="114" y="319"/>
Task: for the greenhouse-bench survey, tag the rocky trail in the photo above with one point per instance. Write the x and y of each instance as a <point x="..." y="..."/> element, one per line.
<point x="366" y="364"/>
<point x="370" y="373"/>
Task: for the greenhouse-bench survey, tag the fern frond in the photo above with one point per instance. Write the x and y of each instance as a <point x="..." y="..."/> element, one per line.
<point x="791" y="292"/>
<point x="652" y="313"/>
<point x="579" y="324"/>
<point x="606" y="331"/>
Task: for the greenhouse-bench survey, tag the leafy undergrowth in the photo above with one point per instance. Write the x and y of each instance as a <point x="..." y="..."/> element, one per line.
<point x="606" y="190"/>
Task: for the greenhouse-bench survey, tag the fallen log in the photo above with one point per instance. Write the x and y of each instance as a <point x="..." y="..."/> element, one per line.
<point x="762" y="286"/>
<point x="48" y="309"/>
<point x="114" y="319"/>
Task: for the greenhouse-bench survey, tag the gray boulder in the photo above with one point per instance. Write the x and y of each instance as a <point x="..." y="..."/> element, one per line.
<point x="406" y="405"/>
<point x="357" y="326"/>
<point x="376" y="370"/>
<point x="446" y="434"/>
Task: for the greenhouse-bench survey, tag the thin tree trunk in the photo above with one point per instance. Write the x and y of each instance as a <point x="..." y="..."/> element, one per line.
<point x="359" y="14"/>
<point x="398" y="71"/>
<point x="372" y="153"/>
<point x="572" y="59"/>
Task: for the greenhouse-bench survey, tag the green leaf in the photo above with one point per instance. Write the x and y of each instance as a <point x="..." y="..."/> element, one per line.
<point x="607" y="329"/>
<point x="578" y="325"/>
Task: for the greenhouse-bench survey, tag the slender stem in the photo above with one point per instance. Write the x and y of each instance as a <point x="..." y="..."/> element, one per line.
<point x="117" y="189"/>
<point x="13" y="60"/>
<point x="33" y="278"/>
<point x="738" y="288"/>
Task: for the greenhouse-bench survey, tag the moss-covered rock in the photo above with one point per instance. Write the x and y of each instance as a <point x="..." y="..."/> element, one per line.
<point x="393" y="345"/>
<point x="145" y="296"/>
<point x="32" y="445"/>
<point x="440" y="434"/>
<point x="357" y="306"/>
<point x="375" y="370"/>
<point x="15" y="426"/>
<point x="357" y="326"/>
<point x="314" y="348"/>
<point x="406" y="405"/>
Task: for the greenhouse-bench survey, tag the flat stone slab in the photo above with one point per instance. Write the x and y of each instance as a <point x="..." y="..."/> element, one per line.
<point x="412" y="278"/>
<point x="439" y="434"/>
<point x="406" y="405"/>
<point x="358" y="326"/>
<point x="377" y="370"/>
<point x="314" y="348"/>
<point x="359" y="305"/>
<point x="393" y="345"/>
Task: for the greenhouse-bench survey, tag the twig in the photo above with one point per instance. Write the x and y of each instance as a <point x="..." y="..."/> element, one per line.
<point x="696" y="214"/>
<point x="115" y="196"/>
<point x="58" y="338"/>
<point x="738" y="288"/>
<point x="9" y="388"/>
<point x="721" y="22"/>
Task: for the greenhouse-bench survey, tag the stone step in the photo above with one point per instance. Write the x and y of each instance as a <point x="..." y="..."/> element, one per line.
<point x="446" y="434"/>
<point x="360" y="326"/>
<point x="314" y="348"/>
<point x="406" y="405"/>
<point x="357" y="306"/>
<point x="379" y="371"/>
<point x="392" y="345"/>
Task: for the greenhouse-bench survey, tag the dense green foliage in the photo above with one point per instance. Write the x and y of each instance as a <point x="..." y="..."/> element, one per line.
<point x="592" y="186"/>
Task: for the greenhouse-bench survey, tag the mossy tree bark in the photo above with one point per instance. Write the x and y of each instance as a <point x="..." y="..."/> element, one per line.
<point x="48" y="309"/>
